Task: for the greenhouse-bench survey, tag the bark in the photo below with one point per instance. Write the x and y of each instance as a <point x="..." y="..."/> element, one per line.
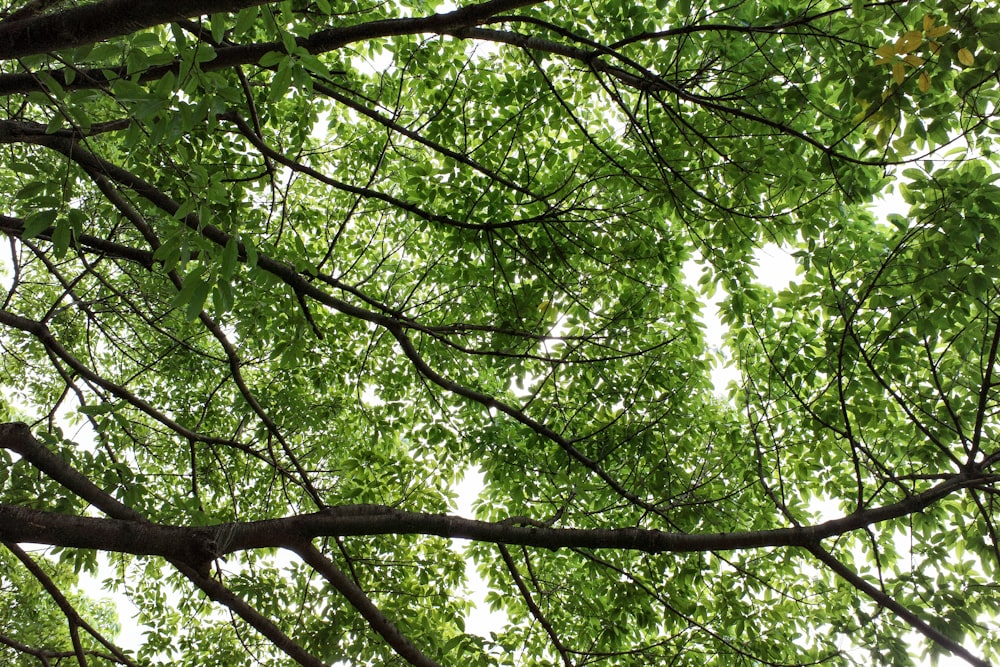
<point x="12" y="226"/>
<point x="92" y="23"/>
<point x="22" y="525"/>
<point x="113" y="18"/>
<point x="129" y="532"/>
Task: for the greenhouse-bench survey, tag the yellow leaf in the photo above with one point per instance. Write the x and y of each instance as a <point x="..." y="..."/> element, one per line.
<point x="938" y="31"/>
<point x="966" y="58"/>
<point x="909" y="41"/>
<point x="898" y="73"/>
<point x="928" y="22"/>
<point x="924" y="82"/>
<point x="934" y="47"/>
<point x="913" y="61"/>
<point x="886" y="52"/>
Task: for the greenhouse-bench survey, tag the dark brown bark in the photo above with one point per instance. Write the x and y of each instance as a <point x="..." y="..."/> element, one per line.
<point x="14" y="227"/>
<point x="99" y="21"/>
<point x="23" y="525"/>
<point x="192" y="549"/>
<point x="129" y="533"/>
<point x="113" y="18"/>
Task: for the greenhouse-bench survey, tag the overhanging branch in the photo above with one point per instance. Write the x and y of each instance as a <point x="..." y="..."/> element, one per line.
<point x="197" y="544"/>
<point x="100" y="21"/>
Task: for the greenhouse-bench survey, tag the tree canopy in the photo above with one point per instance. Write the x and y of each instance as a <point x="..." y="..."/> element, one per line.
<point x="281" y="274"/>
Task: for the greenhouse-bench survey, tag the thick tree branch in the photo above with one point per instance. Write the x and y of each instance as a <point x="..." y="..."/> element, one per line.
<point x="18" y="438"/>
<point x="194" y="544"/>
<point x="99" y="21"/>
<point x="114" y="18"/>
<point x="23" y="525"/>
<point x="14" y="228"/>
<point x="190" y="547"/>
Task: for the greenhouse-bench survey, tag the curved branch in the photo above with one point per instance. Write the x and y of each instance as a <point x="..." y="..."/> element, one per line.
<point x="99" y="21"/>
<point x="533" y="607"/>
<point x="121" y="533"/>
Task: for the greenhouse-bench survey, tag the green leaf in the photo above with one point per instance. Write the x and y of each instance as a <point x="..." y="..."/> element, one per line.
<point x="251" y="252"/>
<point x="272" y="58"/>
<point x="230" y="257"/>
<point x="205" y="53"/>
<point x="62" y="235"/>
<point x="145" y="40"/>
<point x="218" y="24"/>
<point x="55" y="124"/>
<point x="52" y="85"/>
<point x="281" y="81"/>
<point x="31" y="189"/>
<point x="38" y="222"/>
<point x="196" y="299"/>
<point x="98" y="409"/>
<point x="288" y="41"/>
<point x="245" y="21"/>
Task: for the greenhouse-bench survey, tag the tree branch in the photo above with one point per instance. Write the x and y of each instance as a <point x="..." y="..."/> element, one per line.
<point x="18" y="438"/>
<point x="72" y="616"/>
<point x="902" y="612"/>
<point x="114" y="18"/>
<point x="194" y="544"/>
<point x="360" y="601"/>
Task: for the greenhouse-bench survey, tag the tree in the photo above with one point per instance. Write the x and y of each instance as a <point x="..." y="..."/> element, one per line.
<point x="282" y="273"/>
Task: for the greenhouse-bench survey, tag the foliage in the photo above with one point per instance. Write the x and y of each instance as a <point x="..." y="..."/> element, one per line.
<point x="35" y="620"/>
<point x="315" y="262"/>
